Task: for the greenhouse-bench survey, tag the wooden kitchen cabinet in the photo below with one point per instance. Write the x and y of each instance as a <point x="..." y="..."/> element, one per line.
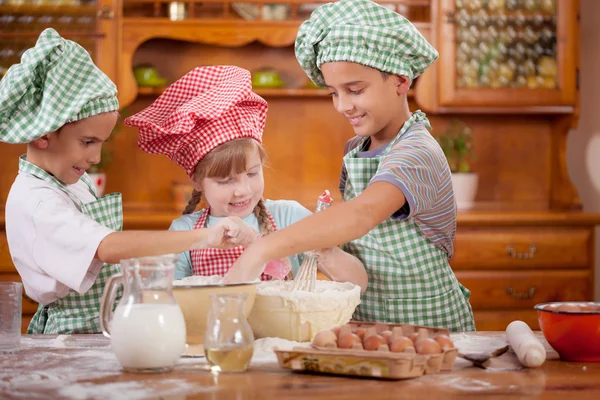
<point x="92" y="24"/>
<point x="508" y="53"/>
<point x="512" y="264"/>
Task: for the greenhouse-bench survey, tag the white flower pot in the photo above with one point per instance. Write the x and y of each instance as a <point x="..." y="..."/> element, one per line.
<point x="465" y="189"/>
<point x="99" y="181"/>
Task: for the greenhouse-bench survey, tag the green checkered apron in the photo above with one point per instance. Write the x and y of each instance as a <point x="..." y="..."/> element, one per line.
<point x="410" y="280"/>
<point x="77" y="313"/>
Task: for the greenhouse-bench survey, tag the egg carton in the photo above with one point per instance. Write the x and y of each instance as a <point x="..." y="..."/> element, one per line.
<point x="371" y="364"/>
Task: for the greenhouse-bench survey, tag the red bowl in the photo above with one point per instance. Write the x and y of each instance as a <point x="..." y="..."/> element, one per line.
<point x="572" y="329"/>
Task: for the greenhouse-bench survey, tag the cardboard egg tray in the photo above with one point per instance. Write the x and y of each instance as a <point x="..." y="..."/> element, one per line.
<point x="371" y="364"/>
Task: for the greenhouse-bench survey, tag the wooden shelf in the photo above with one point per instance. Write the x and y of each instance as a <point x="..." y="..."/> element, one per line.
<point x="35" y="10"/>
<point x="280" y="92"/>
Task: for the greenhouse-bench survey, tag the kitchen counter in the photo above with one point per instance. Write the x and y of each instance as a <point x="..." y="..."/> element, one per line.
<point x="84" y="367"/>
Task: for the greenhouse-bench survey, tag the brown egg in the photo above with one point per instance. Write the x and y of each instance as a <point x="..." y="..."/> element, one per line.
<point x="360" y="332"/>
<point x="428" y="346"/>
<point x="346" y="341"/>
<point x="325" y="338"/>
<point x="399" y="344"/>
<point x="444" y="341"/>
<point x="410" y="350"/>
<point x="568" y="308"/>
<point x="387" y="335"/>
<point x="373" y="342"/>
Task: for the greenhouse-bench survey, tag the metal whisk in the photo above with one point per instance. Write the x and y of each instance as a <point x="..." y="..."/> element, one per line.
<point x="306" y="277"/>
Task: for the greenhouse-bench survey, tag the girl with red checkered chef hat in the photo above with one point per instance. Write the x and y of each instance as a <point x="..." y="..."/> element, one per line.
<point x="211" y="123"/>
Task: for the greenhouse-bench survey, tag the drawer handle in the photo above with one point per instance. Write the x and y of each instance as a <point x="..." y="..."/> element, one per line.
<point x="510" y="250"/>
<point x="521" y="296"/>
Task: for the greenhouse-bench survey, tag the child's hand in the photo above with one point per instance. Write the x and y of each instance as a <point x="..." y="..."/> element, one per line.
<point x="228" y="233"/>
<point x="244" y="235"/>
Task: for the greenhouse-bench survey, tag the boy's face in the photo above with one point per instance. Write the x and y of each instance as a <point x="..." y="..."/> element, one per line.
<point x="74" y="148"/>
<point x="371" y="102"/>
<point x="235" y="195"/>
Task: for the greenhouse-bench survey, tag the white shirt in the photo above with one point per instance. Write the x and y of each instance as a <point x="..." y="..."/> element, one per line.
<point x="52" y="243"/>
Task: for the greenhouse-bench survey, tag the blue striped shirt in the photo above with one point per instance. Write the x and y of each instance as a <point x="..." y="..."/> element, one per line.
<point x="417" y="166"/>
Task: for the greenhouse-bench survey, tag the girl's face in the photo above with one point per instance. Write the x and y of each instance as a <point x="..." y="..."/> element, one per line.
<point x="70" y="151"/>
<point x="237" y="194"/>
<point x="371" y="102"/>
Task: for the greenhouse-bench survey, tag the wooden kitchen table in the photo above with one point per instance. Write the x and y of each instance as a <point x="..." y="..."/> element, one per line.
<point x="84" y="367"/>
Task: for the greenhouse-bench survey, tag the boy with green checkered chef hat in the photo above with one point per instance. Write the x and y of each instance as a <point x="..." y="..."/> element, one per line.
<point x="399" y="213"/>
<point x="64" y="240"/>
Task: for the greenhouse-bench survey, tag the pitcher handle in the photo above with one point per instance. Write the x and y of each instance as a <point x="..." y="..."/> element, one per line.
<point x="108" y="300"/>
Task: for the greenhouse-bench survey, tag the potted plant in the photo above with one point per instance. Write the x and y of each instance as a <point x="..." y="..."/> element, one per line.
<point x="97" y="172"/>
<point x="457" y="143"/>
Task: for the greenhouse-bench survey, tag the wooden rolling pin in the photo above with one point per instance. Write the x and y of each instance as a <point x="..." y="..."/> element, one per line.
<point x="530" y="351"/>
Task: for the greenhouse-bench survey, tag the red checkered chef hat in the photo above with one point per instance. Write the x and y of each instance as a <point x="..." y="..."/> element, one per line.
<point x="207" y="107"/>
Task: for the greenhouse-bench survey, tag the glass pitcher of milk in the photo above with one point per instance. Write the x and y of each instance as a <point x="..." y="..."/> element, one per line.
<point x="229" y="341"/>
<point x="147" y="329"/>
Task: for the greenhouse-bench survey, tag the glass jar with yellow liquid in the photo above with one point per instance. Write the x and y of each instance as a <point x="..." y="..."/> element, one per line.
<point x="229" y="341"/>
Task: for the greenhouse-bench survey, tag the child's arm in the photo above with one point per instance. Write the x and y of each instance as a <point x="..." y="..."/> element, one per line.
<point x="117" y="246"/>
<point x="342" y="267"/>
<point x="338" y="224"/>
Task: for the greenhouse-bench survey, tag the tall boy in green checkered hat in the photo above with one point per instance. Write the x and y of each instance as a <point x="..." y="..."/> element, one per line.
<point x="64" y="240"/>
<point x="399" y="213"/>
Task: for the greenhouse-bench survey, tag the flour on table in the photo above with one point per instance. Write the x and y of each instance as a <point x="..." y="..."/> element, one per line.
<point x="64" y="341"/>
<point x="38" y="371"/>
<point x="134" y="390"/>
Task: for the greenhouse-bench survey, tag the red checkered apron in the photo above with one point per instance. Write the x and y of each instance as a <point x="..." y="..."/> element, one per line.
<point x="209" y="262"/>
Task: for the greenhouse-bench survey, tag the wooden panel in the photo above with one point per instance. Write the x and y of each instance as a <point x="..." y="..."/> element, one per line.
<point x="498" y="320"/>
<point x="6" y="264"/>
<point x="508" y="289"/>
<point x="29" y="306"/>
<point x="522" y="248"/>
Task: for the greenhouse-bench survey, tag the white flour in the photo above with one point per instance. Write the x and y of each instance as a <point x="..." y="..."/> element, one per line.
<point x="327" y="295"/>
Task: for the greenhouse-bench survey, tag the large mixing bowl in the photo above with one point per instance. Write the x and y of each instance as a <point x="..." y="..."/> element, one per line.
<point x="572" y="329"/>
<point x="299" y="316"/>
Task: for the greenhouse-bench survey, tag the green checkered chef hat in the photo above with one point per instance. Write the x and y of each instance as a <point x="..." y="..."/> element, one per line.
<point x="56" y="83"/>
<point x="362" y="32"/>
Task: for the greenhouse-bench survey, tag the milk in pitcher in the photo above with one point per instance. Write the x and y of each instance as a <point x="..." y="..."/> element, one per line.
<point x="148" y="336"/>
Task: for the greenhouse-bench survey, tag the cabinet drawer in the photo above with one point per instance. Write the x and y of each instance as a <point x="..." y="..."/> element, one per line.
<point x="6" y="264"/>
<point x="498" y="320"/>
<point x="29" y="306"/>
<point x="512" y="289"/>
<point x="522" y="248"/>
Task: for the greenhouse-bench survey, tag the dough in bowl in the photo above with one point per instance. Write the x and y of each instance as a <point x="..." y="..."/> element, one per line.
<point x="298" y="316"/>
